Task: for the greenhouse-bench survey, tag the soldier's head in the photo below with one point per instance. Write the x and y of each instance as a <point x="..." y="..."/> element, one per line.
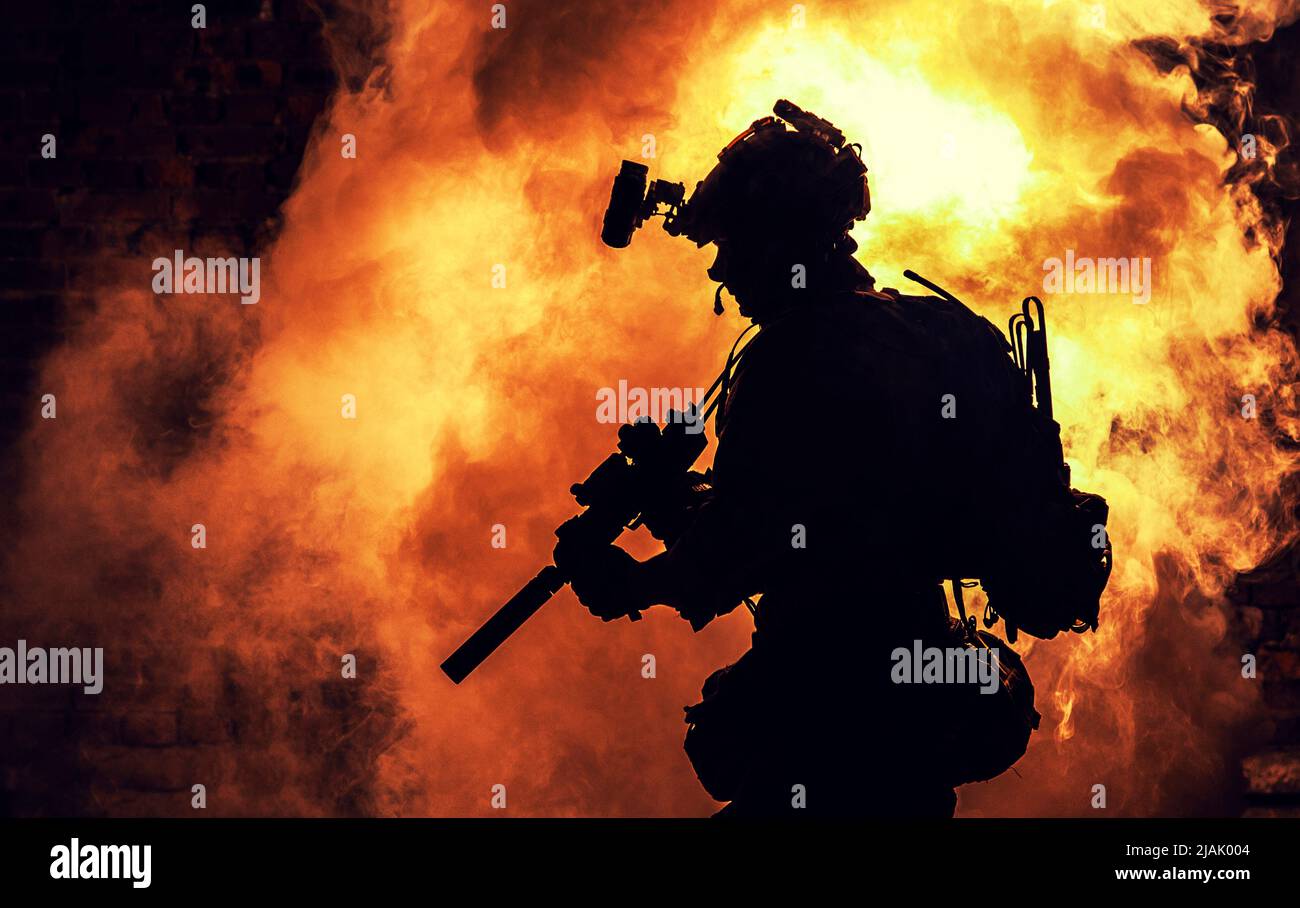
<point x="778" y="206"/>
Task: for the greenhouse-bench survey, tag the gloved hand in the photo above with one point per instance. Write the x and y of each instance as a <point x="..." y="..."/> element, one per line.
<point x="607" y="580"/>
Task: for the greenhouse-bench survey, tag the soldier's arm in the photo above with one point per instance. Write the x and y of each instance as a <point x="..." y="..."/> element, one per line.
<point x="710" y="569"/>
<point x="742" y="535"/>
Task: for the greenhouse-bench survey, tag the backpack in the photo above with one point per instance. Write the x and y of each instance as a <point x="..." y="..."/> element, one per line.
<point x="1048" y="556"/>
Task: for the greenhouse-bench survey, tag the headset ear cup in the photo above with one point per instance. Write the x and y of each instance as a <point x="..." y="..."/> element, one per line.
<point x="848" y="186"/>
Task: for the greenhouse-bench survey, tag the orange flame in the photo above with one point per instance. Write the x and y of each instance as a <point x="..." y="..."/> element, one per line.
<point x="998" y="136"/>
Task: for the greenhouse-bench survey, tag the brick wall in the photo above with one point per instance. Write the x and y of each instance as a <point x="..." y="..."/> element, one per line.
<point x="192" y="135"/>
<point x="165" y="135"/>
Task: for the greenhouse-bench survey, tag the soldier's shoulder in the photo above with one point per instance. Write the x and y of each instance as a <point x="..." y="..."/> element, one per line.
<point x="885" y="314"/>
<point x="939" y="317"/>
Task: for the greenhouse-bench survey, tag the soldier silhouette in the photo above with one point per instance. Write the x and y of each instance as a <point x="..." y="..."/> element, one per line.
<point x="868" y="445"/>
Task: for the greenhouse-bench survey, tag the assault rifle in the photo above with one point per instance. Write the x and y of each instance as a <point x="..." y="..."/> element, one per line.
<point x="647" y="481"/>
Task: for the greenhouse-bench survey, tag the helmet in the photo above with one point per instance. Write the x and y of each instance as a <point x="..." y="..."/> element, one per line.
<point x="804" y="182"/>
